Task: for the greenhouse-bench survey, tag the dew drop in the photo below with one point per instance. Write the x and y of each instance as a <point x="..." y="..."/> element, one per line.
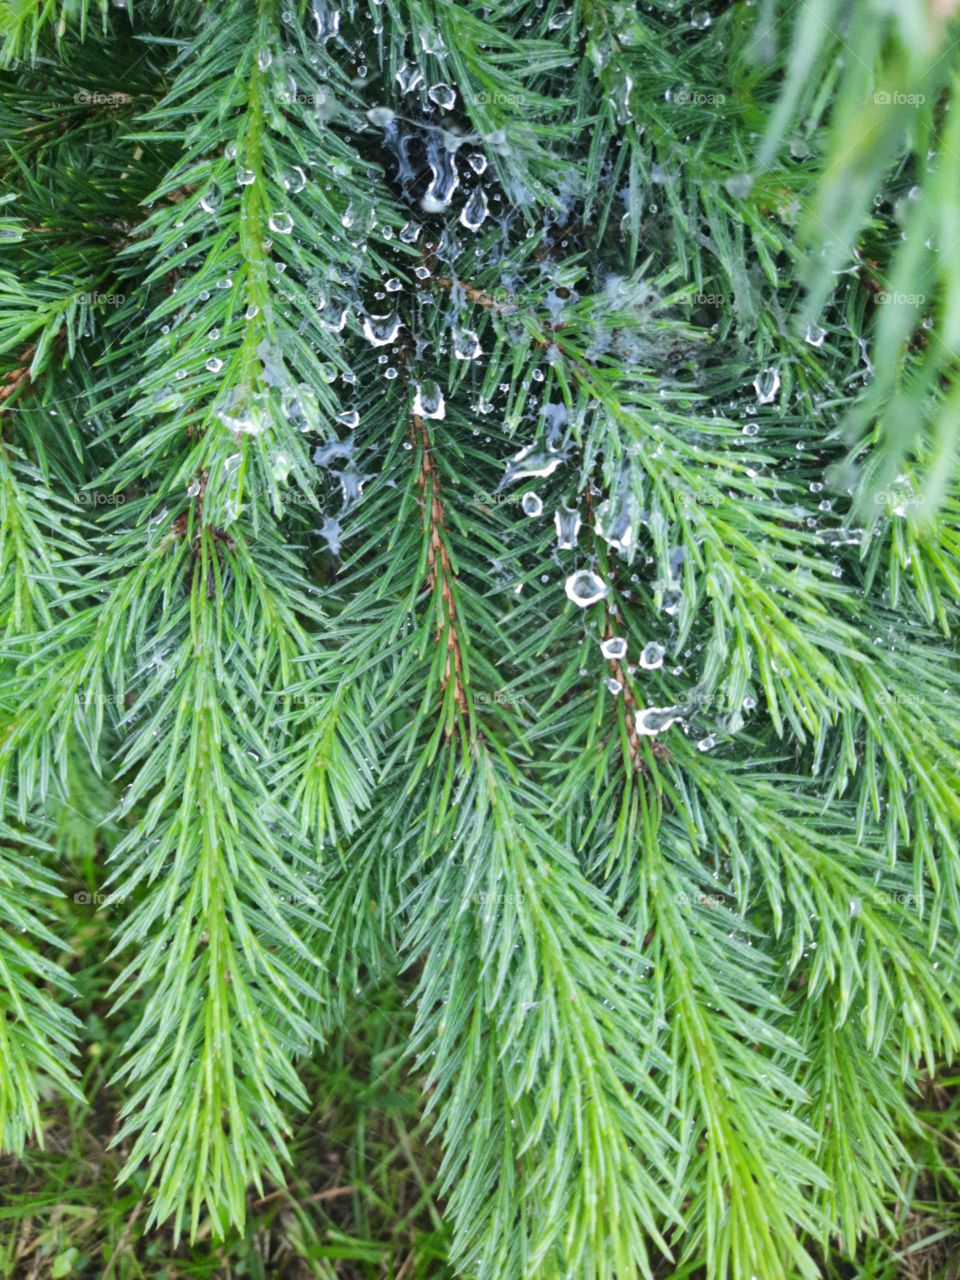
<point x="380" y="331"/>
<point x="428" y="401"/>
<point x="293" y="179"/>
<point x="654" y="720"/>
<point x="466" y="344"/>
<point x="585" y="588"/>
<point x="815" y="335"/>
<point x="281" y="223"/>
<point x="766" y="385"/>
<point x="475" y="210"/>
<point x="382" y="117"/>
<point x="567" y="522"/>
<point x="651" y="656"/>
<point x="443" y="95"/>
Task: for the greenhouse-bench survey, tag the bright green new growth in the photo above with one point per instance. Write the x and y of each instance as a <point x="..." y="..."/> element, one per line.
<point x="295" y="304"/>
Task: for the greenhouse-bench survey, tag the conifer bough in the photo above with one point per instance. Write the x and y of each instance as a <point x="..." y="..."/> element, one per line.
<point x="478" y="499"/>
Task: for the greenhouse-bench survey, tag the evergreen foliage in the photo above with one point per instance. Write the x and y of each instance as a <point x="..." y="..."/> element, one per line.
<point x="478" y="497"/>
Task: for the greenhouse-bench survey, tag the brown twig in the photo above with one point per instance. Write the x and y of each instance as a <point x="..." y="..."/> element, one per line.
<point x="476" y="295"/>
<point x="620" y="674"/>
<point x="439" y="568"/>
<point x="331" y="1193"/>
<point x="17" y="377"/>
<point x="629" y="701"/>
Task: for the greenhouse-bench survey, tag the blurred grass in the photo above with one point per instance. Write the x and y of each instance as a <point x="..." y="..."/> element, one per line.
<point x="358" y="1203"/>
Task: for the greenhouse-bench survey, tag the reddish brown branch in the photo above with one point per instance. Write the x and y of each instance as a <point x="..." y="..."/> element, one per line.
<point x="439" y="568"/>
<point x="629" y="701"/>
<point x="476" y="295"/>
<point x="16" y="378"/>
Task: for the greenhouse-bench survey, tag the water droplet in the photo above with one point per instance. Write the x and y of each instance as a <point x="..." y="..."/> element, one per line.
<point x="475" y="210"/>
<point x="281" y="223"/>
<point x="445" y="179"/>
<point x="232" y="464"/>
<point x="532" y="461"/>
<point x="766" y="385"/>
<point x="214" y="365"/>
<point x="585" y="588"/>
<point x="408" y="77"/>
<point x="531" y="504"/>
<point x="245" y="177"/>
<point x="443" y="96"/>
<point x="428" y="401"/>
<point x="614" y="649"/>
<point x="382" y="117"/>
<point x="706" y="743"/>
<point x="567" y="523"/>
<point x="293" y="179"/>
<point x="466" y="344"/>
<point x="654" y="720"/>
<point x="477" y="162"/>
<point x="380" y="331"/>
<point x="815" y="335"/>
<point x="651" y="656"/>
